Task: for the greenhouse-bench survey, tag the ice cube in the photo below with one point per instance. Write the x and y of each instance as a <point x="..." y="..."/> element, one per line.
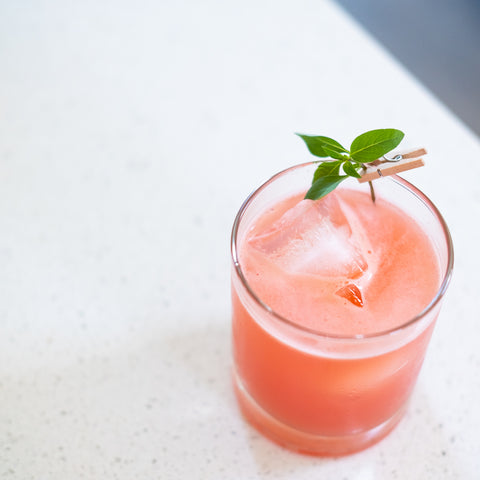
<point x="316" y="238"/>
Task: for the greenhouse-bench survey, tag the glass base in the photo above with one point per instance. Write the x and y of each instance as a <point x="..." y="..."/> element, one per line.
<point x="308" y="443"/>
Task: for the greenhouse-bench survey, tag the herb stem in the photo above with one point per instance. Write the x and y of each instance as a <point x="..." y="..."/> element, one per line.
<point x="372" y="191"/>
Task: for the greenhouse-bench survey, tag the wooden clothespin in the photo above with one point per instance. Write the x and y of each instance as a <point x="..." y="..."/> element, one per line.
<point x="386" y="166"/>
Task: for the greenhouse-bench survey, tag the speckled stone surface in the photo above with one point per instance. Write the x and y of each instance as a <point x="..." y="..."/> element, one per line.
<point x="130" y="133"/>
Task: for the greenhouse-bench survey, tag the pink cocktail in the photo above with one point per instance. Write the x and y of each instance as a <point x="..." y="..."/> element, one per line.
<point x="334" y="303"/>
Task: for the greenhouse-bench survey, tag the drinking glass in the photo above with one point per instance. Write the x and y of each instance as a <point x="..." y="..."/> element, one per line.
<point x="317" y="392"/>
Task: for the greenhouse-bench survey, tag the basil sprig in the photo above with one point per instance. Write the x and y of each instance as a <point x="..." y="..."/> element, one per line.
<point x="366" y="148"/>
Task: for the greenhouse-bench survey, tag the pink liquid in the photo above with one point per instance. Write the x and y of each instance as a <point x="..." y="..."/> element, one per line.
<point x="395" y="269"/>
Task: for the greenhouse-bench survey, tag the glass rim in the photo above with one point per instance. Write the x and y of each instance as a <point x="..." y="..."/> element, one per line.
<point x="417" y="318"/>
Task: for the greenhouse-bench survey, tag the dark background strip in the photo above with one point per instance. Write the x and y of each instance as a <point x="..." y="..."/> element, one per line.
<point x="438" y="41"/>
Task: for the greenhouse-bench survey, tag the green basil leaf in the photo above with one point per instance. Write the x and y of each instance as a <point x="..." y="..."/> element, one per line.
<point x="324" y="185"/>
<point x="323" y="146"/>
<point x="335" y="153"/>
<point x="326" y="169"/>
<point x="350" y="169"/>
<point x="372" y="145"/>
<point x="331" y="145"/>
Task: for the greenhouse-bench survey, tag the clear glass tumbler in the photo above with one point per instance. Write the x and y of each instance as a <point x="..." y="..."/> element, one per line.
<point x="320" y="393"/>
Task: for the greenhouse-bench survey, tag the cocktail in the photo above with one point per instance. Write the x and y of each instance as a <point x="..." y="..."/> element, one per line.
<point x="334" y="303"/>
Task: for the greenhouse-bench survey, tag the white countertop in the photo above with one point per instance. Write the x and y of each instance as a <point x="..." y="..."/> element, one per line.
<point x="130" y="133"/>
